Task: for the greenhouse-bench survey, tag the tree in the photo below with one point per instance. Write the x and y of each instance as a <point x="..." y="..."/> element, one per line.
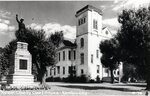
<point x="109" y="59"/>
<point x="5" y="58"/>
<point x="41" y="48"/>
<point x="134" y="39"/>
<point x="56" y="38"/>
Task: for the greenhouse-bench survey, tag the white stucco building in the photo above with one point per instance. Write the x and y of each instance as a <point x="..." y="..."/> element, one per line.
<point x="84" y="54"/>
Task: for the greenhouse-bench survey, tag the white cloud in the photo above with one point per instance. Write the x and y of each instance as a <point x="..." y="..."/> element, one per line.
<point x="113" y="31"/>
<point x="11" y="28"/>
<point x="69" y="31"/>
<point x="35" y="26"/>
<point x="52" y="27"/>
<point x="5" y="21"/>
<point x="126" y="4"/>
<point x="5" y="14"/>
<point x="3" y="28"/>
<point x="6" y="29"/>
<point x="116" y="1"/>
<point x="103" y="7"/>
<point x="112" y="24"/>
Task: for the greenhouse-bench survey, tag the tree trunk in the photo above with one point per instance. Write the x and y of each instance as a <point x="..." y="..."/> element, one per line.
<point x="44" y="78"/>
<point x="148" y="84"/>
<point x="148" y="75"/>
<point x="147" y="63"/>
<point x="41" y="75"/>
<point x="112" y="76"/>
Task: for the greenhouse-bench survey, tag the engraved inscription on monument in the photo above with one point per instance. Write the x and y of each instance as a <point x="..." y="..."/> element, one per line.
<point x="23" y="64"/>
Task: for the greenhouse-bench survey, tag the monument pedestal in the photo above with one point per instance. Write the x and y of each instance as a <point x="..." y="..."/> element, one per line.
<point x="22" y="75"/>
<point x="23" y="79"/>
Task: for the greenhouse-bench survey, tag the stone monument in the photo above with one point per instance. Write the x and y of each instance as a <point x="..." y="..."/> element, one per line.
<point x="22" y="75"/>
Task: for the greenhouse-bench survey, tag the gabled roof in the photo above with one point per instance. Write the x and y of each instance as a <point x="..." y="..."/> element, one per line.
<point x="106" y="29"/>
<point x="68" y="43"/>
<point x="88" y="7"/>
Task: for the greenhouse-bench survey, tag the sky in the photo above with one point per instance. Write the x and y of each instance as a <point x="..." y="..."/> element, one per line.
<point x="54" y="16"/>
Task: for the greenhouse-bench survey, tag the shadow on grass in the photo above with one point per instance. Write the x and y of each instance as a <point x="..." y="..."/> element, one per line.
<point x="135" y="85"/>
<point x="99" y="87"/>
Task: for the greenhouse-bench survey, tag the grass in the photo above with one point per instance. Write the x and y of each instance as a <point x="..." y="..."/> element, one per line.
<point x="83" y="89"/>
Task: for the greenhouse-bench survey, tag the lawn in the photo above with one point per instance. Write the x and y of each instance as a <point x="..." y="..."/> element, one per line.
<point x="83" y="89"/>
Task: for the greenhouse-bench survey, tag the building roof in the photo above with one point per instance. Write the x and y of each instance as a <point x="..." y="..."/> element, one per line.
<point x="69" y="43"/>
<point x="88" y="7"/>
<point x="106" y="28"/>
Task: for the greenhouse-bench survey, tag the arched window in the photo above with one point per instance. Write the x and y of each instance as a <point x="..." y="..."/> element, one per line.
<point x="82" y="42"/>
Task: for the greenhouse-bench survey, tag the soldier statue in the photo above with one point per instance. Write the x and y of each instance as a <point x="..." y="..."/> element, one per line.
<point x="21" y="25"/>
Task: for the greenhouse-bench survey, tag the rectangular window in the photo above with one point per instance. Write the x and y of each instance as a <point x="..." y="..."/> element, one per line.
<point x="63" y="70"/>
<point x="59" y="56"/>
<point x="106" y="70"/>
<point x="69" y="55"/>
<point x="74" y="55"/>
<point x="58" y="69"/>
<point x="84" y="19"/>
<point x="95" y="24"/>
<point x="81" y="21"/>
<point x="69" y="71"/>
<point x="54" y="71"/>
<point x="50" y="72"/>
<point x="97" y="68"/>
<point x="92" y="58"/>
<point x="23" y="64"/>
<point x="63" y="55"/>
<point x="82" y="58"/>
<point x="82" y="72"/>
<point x="97" y="53"/>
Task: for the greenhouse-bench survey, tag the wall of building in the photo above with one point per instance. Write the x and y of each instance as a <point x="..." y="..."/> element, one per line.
<point x="62" y="63"/>
<point x="80" y="50"/>
<point x="83" y="28"/>
<point x="92" y="38"/>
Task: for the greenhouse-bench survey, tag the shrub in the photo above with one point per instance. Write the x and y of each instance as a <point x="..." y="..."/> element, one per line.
<point x="92" y="81"/>
<point x="50" y="79"/>
<point x="65" y="79"/>
<point x="82" y="79"/>
<point x="98" y="79"/>
<point x="57" y="79"/>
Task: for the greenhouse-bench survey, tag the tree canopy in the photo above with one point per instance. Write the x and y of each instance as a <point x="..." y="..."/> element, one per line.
<point x="109" y="59"/>
<point x="134" y="39"/>
<point x="41" y="48"/>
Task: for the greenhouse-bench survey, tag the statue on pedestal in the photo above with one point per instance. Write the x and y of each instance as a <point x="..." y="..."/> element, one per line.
<point x="21" y="25"/>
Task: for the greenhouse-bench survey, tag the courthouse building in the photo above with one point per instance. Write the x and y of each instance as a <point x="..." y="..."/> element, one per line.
<point x="84" y="54"/>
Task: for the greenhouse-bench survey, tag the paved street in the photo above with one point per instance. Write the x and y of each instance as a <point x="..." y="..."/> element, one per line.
<point x="76" y="89"/>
